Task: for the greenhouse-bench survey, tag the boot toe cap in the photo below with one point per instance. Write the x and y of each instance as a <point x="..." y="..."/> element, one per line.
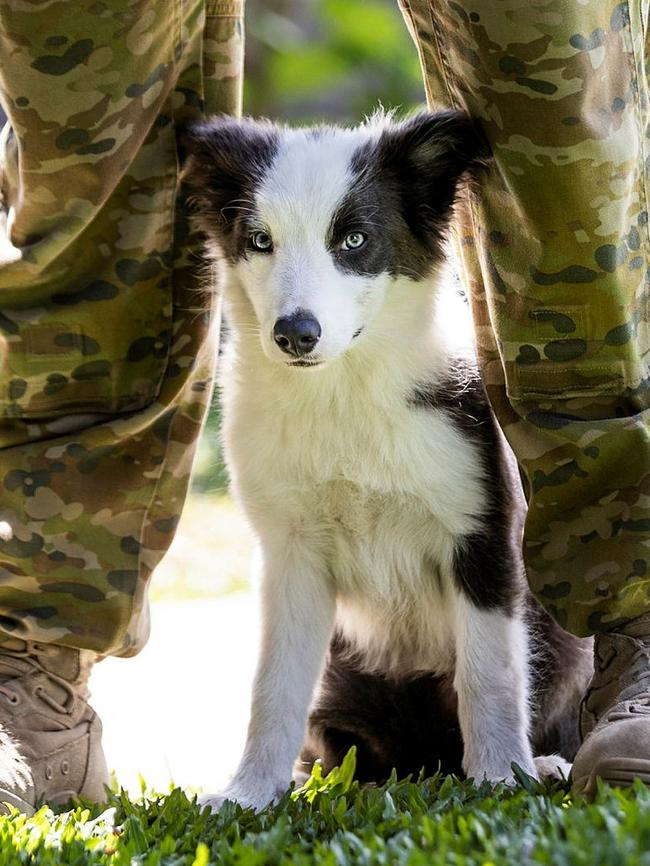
<point x="617" y="751"/>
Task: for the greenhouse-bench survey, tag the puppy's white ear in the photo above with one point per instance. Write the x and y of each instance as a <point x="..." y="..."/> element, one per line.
<point x="428" y="155"/>
<point x="225" y="159"/>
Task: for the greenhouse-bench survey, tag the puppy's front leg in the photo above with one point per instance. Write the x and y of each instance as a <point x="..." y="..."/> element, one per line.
<point x="298" y="604"/>
<point x="491" y="681"/>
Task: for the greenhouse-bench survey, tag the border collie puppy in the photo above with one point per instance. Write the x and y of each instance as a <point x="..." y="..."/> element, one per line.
<point x="367" y="460"/>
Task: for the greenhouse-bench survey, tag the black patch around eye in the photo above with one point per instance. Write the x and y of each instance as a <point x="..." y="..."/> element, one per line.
<point x="373" y="206"/>
<point x="358" y="212"/>
<point x="227" y="159"/>
<point x="369" y="260"/>
<point x="405" y="187"/>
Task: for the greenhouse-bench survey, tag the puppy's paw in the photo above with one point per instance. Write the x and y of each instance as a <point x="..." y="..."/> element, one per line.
<point x="553" y="767"/>
<point x="248" y="799"/>
<point x="300" y="777"/>
<point x="216" y="801"/>
<point x="501" y="771"/>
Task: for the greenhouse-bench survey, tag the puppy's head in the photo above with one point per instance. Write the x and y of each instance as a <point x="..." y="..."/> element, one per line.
<point x="315" y="225"/>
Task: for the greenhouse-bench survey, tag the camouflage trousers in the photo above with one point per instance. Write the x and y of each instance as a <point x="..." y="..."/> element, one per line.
<point x="556" y="251"/>
<point x="105" y="350"/>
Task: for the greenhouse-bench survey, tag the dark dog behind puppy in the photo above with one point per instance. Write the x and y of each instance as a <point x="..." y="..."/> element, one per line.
<point x="412" y="724"/>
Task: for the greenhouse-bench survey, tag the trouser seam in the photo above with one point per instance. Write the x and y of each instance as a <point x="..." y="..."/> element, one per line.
<point x="639" y="103"/>
<point x="642" y="103"/>
<point x="641" y="100"/>
<point x="176" y="60"/>
<point x="447" y="72"/>
<point x="224" y="8"/>
<point x="467" y="207"/>
<point x="426" y="10"/>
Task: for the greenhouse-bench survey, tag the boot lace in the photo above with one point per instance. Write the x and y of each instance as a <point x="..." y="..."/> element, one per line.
<point x="636" y="683"/>
<point x="30" y="654"/>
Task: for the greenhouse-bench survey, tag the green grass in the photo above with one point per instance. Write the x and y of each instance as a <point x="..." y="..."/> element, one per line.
<point x="335" y="822"/>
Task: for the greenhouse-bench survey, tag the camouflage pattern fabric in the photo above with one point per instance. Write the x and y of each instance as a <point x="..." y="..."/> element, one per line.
<point x="555" y="247"/>
<point x="106" y="339"/>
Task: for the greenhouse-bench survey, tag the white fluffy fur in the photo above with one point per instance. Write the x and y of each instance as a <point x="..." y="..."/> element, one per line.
<point x="356" y="496"/>
<point x="491" y="681"/>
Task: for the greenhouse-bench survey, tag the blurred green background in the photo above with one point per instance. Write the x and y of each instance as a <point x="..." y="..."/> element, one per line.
<point x="313" y="60"/>
<point x="337" y="60"/>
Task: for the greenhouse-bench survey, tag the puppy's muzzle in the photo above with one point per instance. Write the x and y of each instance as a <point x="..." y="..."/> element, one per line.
<point x="297" y="334"/>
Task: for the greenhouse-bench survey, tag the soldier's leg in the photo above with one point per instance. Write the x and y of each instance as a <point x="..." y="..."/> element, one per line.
<point x="105" y="350"/>
<point x="556" y="251"/>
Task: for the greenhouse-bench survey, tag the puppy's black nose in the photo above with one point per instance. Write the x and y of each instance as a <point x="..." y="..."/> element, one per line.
<point x="297" y="334"/>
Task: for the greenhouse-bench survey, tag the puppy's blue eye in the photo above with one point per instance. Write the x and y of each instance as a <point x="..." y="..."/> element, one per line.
<point x="261" y="241"/>
<point x="353" y="241"/>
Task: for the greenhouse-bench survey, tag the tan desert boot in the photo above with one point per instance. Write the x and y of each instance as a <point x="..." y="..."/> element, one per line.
<point x="615" y="713"/>
<point x="50" y="739"/>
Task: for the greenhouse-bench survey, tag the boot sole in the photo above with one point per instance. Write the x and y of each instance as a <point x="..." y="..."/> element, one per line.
<point x="13" y="800"/>
<point x="617" y="772"/>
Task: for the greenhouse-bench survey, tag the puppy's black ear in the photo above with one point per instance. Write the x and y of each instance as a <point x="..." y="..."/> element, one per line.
<point x="429" y="154"/>
<point x="225" y="159"/>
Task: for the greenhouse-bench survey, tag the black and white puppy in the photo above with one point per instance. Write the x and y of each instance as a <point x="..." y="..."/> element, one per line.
<point x="365" y="456"/>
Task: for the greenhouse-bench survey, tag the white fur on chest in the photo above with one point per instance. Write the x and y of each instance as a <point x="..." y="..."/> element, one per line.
<point x="379" y="487"/>
<point x="391" y="561"/>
